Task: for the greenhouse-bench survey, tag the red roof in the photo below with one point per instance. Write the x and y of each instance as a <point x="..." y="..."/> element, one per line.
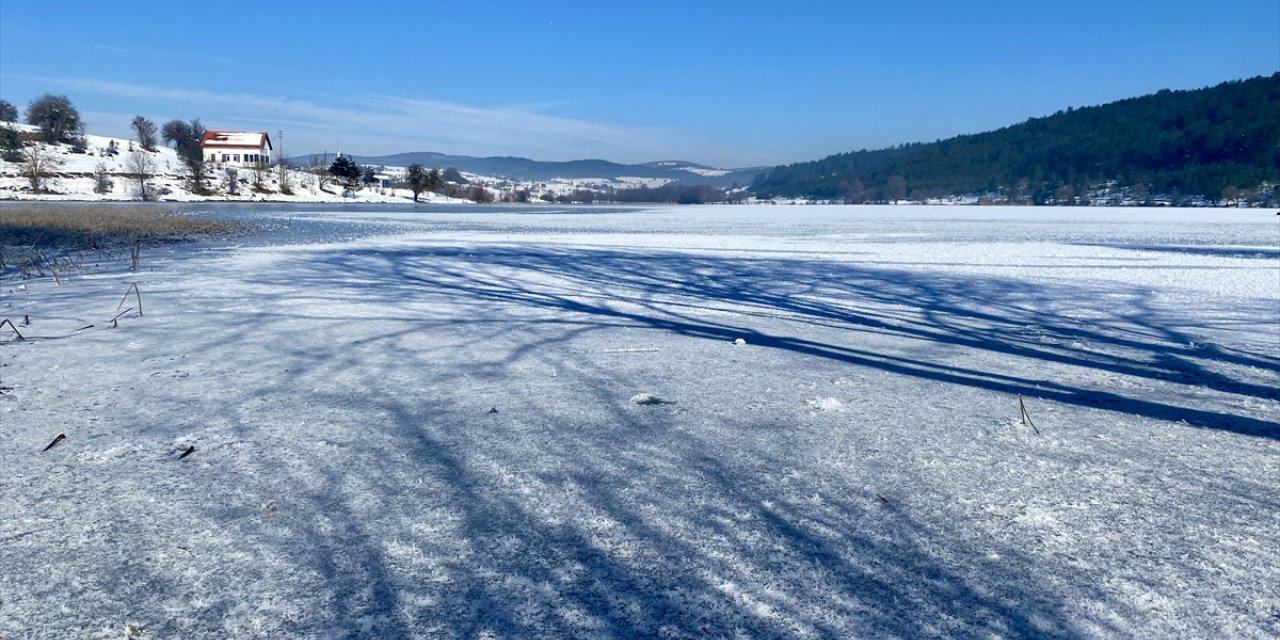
<point x="236" y="139"/>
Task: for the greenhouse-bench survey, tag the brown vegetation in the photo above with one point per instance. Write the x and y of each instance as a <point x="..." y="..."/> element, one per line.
<point x="86" y="226"/>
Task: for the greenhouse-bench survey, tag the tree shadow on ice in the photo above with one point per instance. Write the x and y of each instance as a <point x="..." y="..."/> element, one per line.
<point x="438" y="519"/>
<point x="638" y="532"/>
<point x="1106" y="330"/>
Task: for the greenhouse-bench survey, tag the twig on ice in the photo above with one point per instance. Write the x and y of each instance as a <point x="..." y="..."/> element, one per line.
<point x="60" y="438"/>
<point x="134" y="288"/>
<point x="11" y="326"/>
<point x="113" y="320"/>
<point x="1026" y="417"/>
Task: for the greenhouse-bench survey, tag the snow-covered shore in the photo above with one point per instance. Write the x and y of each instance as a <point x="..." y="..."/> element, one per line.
<point x="72" y="178"/>
<point x="494" y="424"/>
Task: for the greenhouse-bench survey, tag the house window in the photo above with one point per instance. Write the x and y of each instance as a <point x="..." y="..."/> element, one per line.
<point x="237" y="157"/>
<point x="226" y="157"/>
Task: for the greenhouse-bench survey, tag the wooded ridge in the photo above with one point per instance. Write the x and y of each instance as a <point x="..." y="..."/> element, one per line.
<point x="1217" y="142"/>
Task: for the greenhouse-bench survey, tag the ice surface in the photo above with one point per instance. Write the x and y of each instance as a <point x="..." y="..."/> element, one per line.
<point x="858" y="469"/>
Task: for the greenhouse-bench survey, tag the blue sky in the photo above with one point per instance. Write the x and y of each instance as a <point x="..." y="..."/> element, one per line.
<point x="724" y="83"/>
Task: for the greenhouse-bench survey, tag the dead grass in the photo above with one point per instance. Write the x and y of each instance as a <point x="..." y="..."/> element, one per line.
<point x="98" y="226"/>
<point x="46" y="239"/>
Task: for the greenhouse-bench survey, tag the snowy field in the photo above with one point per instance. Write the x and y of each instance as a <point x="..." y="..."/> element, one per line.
<point x="501" y="423"/>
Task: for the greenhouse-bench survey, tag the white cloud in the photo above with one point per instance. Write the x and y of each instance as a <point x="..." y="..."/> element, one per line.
<point x="386" y="124"/>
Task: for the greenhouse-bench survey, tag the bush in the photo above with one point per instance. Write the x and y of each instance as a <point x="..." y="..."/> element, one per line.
<point x="452" y="175"/>
<point x="10" y="145"/>
<point x="347" y="171"/>
<point x="101" y="183"/>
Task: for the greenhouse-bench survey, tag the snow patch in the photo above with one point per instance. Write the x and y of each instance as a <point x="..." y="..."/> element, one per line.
<point x="648" y="398"/>
<point x="828" y="405"/>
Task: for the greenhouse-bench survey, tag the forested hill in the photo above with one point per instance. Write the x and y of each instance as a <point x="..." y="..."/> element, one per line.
<point x="1190" y="142"/>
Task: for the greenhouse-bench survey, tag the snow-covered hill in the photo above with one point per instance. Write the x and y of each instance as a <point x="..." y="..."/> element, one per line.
<point x="614" y="175"/>
<point x="78" y="176"/>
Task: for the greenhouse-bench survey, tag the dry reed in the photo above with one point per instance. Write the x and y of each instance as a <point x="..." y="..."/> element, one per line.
<point x="92" y="226"/>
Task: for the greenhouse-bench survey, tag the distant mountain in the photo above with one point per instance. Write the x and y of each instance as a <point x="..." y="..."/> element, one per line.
<point x="513" y="168"/>
<point x="1206" y="142"/>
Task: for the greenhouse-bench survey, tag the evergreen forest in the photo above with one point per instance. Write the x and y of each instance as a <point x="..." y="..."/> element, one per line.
<point x="1220" y="143"/>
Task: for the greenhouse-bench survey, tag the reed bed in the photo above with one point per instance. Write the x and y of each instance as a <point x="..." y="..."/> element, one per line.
<point x="86" y="227"/>
<point x="42" y="239"/>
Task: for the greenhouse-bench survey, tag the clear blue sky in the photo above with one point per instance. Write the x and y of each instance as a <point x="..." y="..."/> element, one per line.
<point x="729" y="83"/>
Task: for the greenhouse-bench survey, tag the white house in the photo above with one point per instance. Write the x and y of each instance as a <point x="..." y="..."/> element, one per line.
<point x="236" y="148"/>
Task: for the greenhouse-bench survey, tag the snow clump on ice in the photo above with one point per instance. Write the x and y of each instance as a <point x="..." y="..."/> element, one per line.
<point x="828" y="404"/>
<point x="648" y="398"/>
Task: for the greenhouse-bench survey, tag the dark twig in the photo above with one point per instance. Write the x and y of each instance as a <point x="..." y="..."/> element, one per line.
<point x="190" y="450"/>
<point x="113" y="320"/>
<point x="134" y="288"/>
<point x="24" y="534"/>
<point x="11" y="326"/>
<point x="1026" y="417"/>
<point x="60" y="438"/>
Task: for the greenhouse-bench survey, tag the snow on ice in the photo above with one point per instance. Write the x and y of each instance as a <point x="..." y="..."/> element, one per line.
<point x="429" y="423"/>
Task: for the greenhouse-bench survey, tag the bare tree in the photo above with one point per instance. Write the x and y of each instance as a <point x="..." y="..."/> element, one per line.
<point x="895" y="189"/>
<point x="282" y="167"/>
<point x="38" y="163"/>
<point x="146" y="132"/>
<point x="852" y="192"/>
<point x="232" y="175"/>
<point x="141" y="166"/>
<point x="320" y="170"/>
<point x="260" y="172"/>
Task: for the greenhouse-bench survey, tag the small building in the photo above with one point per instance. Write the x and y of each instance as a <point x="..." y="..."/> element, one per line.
<point x="236" y="148"/>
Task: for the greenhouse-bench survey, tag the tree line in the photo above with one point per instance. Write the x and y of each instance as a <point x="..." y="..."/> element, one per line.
<point x="1209" y="142"/>
<point x="667" y="194"/>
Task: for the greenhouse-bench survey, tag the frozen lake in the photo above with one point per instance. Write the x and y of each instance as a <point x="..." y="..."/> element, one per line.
<point x="511" y="422"/>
